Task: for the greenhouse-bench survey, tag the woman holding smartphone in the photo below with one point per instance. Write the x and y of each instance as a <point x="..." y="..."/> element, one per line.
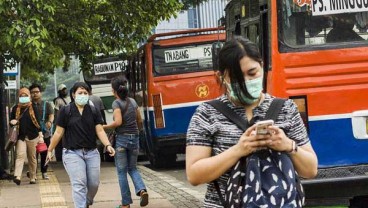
<point x="215" y="144"/>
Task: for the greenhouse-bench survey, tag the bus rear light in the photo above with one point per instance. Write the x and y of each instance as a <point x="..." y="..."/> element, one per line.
<point x="157" y="111"/>
<point x="301" y="102"/>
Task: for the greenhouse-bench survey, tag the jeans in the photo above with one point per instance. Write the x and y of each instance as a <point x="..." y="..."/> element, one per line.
<point x="127" y="148"/>
<point x="83" y="168"/>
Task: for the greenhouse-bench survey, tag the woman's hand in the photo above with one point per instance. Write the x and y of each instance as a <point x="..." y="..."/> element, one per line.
<point x="48" y="124"/>
<point x="279" y="141"/>
<point x="249" y="142"/>
<point x="14" y="122"/>
<point x="49" y="157"/>
<point x="40" y="138"/>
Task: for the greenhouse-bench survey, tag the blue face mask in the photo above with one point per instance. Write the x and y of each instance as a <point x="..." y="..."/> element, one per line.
<point x="24" y="100"/>
<point x="254" y="88"/>
<point x="81" y="99"/>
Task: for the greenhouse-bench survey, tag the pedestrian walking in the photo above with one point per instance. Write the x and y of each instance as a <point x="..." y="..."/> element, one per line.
<point x="81" y="124"/>
<point x="127" y="122"/>
<point x="61" y="100"/>
<point x="26" y="117"/>
<point x="215" y="145"/>
<point x="46" y="117"/>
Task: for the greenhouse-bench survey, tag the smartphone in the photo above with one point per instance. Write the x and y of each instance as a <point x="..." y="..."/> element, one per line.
<point x="262" y="127"/>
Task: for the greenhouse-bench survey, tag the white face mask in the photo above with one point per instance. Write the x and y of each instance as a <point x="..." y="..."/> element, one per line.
<point x="254" y="88"/>
<point x="24" y="100"/>
<point x="81" y="99"/>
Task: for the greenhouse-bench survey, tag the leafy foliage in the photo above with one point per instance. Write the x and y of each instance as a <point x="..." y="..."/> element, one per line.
<point x="42" y="34"/>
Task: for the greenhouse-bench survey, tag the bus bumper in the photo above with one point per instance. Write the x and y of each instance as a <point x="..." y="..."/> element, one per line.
<point x="171" y="144"/>
<point x="334" y="191"/>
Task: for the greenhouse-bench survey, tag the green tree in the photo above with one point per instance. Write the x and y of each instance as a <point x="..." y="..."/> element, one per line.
<point x="42" y="34"/>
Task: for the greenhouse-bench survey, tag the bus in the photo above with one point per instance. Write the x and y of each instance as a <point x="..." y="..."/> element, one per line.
<point x="169" y="76"/>
<point x="315" y="52"/>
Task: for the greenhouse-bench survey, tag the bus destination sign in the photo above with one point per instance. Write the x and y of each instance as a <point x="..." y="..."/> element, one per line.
<point x="327" y="7"/>
<point x="185" y="54"/>
<point x="108" y="67"/>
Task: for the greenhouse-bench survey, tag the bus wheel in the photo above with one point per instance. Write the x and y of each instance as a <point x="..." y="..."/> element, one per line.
<point x="162" y="160"/>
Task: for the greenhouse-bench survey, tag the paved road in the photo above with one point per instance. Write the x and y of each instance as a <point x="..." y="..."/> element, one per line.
<point x="165" y="190"/>
<point x="178" y="172"/>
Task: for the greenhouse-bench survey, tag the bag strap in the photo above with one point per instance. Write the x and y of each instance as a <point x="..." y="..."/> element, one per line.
<point x="274" y="109"/>
<point x="235" y="118"/>
<point x="21" y="115"/>
<point x="230" y="114"/>
<point x="43" y="111"/>
<point x="125" y="108"/>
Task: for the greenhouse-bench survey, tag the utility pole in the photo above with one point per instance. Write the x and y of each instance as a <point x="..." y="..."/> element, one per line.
<point x="3" y="153"/>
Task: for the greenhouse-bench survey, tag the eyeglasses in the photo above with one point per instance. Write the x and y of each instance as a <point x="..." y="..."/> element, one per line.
<point x="35" y="92"/>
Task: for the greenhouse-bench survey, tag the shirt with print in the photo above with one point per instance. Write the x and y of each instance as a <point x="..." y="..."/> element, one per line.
<point x="212" y="129"/>
<point x="129" y="120"/>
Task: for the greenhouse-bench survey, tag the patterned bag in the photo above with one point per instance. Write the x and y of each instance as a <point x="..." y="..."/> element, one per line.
<point x="266" y="178"/>
<point x="12" y="138"/>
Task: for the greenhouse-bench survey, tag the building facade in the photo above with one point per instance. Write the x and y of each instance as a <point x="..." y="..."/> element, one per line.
<point x="204" y="15"/>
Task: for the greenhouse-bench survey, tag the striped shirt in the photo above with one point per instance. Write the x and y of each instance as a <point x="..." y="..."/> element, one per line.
<point x="210" y="128"/>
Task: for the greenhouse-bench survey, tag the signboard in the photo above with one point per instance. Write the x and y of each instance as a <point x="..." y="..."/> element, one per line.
<point x="109" y="67"/>
<point x="11" y="71"/>
<point x="185" y="54"/>
<point x="326" y="7"/>
<point x="12" y="84"/>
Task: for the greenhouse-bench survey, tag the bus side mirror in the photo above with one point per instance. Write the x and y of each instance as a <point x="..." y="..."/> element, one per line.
<point x="216" y="47"/>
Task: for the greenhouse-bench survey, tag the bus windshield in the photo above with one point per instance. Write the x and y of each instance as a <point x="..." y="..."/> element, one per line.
<point x="307" y="23"/>
<point x="182" y="59"/>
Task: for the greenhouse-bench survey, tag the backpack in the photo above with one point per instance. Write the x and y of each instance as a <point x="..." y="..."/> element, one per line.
<point x="68" y="112"/>
<point x="47" y="132"/>
<point x="266" y="178"/>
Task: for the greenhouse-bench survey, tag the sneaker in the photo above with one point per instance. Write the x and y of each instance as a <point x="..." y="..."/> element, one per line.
<point x="45" y="176"/>
<point x="29" y="176"/>
<point x="144" y="198"/>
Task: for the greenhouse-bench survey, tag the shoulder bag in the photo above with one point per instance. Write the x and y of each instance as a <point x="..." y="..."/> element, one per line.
<point x="13" y="134"/>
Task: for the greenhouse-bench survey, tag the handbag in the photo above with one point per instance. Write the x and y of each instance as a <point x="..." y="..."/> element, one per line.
<point x="41" y="147"/>
<point x="112" y="137"/>
<point x="13" y="134"/>
<point x="12" y="138"/>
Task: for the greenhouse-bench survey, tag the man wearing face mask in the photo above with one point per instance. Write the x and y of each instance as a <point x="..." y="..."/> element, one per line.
<point x="30" y="133"/>
<point x="61" y="100"/>
<point x="78" y="125"/>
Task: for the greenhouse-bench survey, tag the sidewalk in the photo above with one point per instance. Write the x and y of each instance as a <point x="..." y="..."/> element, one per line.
<point x="164" y="191"/>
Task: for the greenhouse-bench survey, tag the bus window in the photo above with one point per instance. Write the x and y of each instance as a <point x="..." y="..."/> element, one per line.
<point x="299" y="26"/>
<point x="182" y="59"/>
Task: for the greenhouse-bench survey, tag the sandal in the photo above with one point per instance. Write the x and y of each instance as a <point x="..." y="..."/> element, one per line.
<point x="144" y="198"/>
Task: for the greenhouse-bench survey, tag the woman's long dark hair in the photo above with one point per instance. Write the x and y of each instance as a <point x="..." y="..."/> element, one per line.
<point x="120" y="86"/>
<point x="229" y="60"/>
